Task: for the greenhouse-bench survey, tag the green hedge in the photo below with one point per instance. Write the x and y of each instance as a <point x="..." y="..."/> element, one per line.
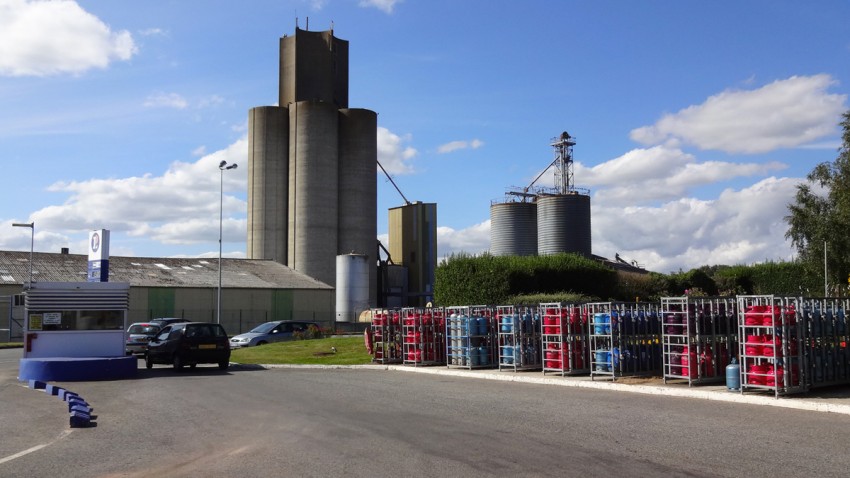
<point x="463" y="279"/>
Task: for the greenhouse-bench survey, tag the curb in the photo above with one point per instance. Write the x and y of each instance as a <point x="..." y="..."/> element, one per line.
<point x="718" y="396"/>
<point x="79" y="411"/>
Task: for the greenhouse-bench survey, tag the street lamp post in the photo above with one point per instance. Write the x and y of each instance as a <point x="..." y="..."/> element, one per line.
<point x="30" y="225"/>
<point x="222" y="166"/>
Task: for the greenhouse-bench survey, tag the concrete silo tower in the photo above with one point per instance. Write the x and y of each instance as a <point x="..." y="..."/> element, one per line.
<point x="312" y="183"/>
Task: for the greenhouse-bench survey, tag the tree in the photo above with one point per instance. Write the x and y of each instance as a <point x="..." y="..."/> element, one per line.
<point x="820" y="215"/>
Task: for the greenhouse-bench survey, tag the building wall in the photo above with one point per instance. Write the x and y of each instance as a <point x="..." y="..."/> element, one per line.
<point x="268" y="183"/>
<point x="313" y="189"/>
<point x="358" y="184"/>
<point x="413" y="243"/>
<point x="313" y="66"/>
<point x="241" y="309"/>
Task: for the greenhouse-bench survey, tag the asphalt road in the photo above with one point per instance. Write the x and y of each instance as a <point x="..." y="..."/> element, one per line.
<point x="308" y="422"/>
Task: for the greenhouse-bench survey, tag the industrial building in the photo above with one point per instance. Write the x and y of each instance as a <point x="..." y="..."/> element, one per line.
<point x="312" y="183"/>
<point x="544" y="221"/>
<point x="413" y="244"/>
<point x="253" y="291"/>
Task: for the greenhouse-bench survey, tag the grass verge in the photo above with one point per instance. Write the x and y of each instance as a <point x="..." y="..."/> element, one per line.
<point x="349" y="351"/>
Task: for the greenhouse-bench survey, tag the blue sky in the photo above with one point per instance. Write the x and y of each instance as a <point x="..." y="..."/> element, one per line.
<point x="694" y="121"/>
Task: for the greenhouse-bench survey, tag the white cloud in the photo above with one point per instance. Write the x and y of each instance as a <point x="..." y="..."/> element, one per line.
<point x="472" y="240"/>
<point x="660" y="174"/>
<point x="393" y="155"/>
<point x="46" y="38"/>
<point x="456" y="145"/>
<point x="738" y="227"/>
<point x="166" y="100"/>
<point x="153" y="32"/>
<point x="179" y="207"/>
<point x="784" y="114"/>
<point x="383" y="5"/>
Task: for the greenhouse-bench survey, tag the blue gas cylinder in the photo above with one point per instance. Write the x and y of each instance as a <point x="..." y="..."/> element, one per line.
<point x="733" y="375"/>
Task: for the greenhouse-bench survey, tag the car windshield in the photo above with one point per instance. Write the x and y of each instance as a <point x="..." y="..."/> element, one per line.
<point x="147" y="329"/>
<point x="264" y="328"/>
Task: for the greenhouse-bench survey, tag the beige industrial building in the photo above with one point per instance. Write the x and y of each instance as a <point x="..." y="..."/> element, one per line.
<point x="413" y="244"/>
<point x="253" y="291"/>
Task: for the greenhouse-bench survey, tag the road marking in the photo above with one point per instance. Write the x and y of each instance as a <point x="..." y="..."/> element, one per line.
<point x="35" y="448"/>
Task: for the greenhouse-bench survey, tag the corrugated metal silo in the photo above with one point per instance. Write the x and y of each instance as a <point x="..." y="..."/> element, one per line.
<point x="563" y="224"/>
<point x="513" y="229"/>
<point x="358" y="185"/>
<point x="352" y="286"/>
<point x="313" y="198"/>
<point x="268" y="166"/>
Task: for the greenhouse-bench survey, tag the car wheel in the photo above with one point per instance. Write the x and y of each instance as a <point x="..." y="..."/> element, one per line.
<point x="148" y="361"/>
<point x="178" y="363"/>
<point x="223" y="365"/>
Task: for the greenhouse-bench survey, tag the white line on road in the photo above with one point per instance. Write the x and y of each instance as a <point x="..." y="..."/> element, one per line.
<point x="35" y="448"/>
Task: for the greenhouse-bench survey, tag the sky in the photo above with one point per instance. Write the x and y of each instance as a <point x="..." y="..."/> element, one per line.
<point x="694" y="122"/>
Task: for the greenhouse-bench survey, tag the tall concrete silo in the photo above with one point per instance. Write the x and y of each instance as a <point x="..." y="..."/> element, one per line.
<point x="513" y="228"/>
<point x="358" y="183"/>
<point x="313" y="194"/>
<point x="268" y="183"/>
<point x="329" y="186"/>
<point x="563" y="224"/>
<point x="313" y="66"/>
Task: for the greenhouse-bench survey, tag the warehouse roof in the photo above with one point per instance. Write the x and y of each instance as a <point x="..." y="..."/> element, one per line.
<point x="156" y="271"/>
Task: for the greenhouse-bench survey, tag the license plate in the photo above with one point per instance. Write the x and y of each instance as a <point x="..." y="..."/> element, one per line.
<point x="206" y="346"/>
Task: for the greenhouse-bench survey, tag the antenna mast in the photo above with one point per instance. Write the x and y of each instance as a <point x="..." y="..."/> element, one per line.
<point x="563" y="145"/>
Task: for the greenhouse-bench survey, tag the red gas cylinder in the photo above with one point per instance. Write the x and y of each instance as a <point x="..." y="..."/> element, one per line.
<point x="707" y="360"/>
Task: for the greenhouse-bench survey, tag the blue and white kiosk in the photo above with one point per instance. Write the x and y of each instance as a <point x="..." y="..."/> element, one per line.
<point x="75" y="331"/>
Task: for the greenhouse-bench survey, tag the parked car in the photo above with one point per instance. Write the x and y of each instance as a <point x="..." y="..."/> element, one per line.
<point x="277" y="331"/>
<point x="189" y="343"/>
<point x="138" y="336"/>
<point x="163" y="321"/>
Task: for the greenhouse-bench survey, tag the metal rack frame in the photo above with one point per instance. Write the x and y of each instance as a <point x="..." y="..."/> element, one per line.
<point x="624" y="339"/>
<point x="564" y="332"/>
<point x="518" y="337"/>
<point x="423" y="335"/>
<point x="827" y="337"/>
<point x="771" y="339"/>
<point x="470" y="337"/>
<point x="699" y="337"/>
<point x="386" y="336"/>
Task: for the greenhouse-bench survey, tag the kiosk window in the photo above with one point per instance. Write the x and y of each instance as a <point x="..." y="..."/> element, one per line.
<point x="81" y="319"/>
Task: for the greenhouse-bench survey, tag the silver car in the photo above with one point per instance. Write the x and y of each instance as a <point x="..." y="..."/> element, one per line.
<point x="277" y="331"/>
<point x="138" y="336"/>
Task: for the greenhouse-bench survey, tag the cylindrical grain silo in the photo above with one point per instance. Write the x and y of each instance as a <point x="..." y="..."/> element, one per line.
<point x="513" y="229"/>
<point x="358" y="184"/>
<point x="313" y="198"/>
<point x="352" y="286"/>
<point x="563" y="224"/>
<point x="268" y="182"/>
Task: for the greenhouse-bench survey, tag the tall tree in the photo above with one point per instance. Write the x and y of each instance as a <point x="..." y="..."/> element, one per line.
<point x="820" y="215"/>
